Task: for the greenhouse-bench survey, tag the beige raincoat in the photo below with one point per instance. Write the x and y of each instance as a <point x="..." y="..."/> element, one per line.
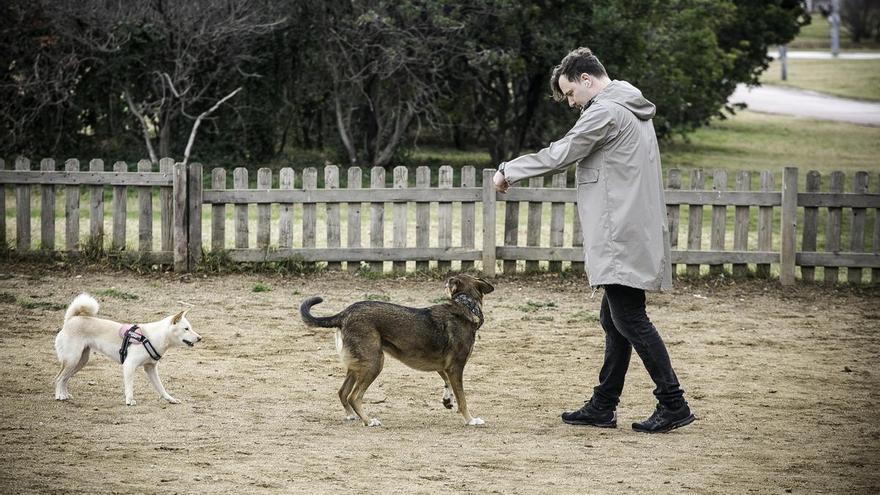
<point x="619" y="188"/>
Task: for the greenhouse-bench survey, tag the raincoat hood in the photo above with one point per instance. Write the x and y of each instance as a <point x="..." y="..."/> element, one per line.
<point x="629" y="97"/>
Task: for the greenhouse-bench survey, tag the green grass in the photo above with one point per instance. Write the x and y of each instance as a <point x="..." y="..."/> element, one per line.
<point x="260" y="288"/>
<point x="116" y="294"/>
<point x="754" y="141"/>
<point x="847" y="78"/>
<point x="817" y="36"/>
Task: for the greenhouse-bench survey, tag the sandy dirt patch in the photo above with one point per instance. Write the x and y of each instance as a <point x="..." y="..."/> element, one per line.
<point x="784" y="383"/>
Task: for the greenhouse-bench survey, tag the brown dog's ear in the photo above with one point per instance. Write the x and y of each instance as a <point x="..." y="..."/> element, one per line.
<point x="484" y="287"/>
<point x="176" y="318"/>
<point x="452" y="285"/>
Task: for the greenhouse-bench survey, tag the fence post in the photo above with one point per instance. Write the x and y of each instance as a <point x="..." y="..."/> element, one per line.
<point x="71" y="208"/>
<point x="166" y="167"/>
<point x="2" y="209"/>
<point x="179" y="217"/>
<point x="96" y="211"/>
<point x="120" y="210"/>
<point x="857" y="227"/>
<point x="488" y="222"/>
<point x="789" y="225"/>
<point x="145" y="210"/>
<point x="23" y="209"/>
<point x="218" y="212"/>
<point x="47" y="209"/>
<point x="194" y="188"/>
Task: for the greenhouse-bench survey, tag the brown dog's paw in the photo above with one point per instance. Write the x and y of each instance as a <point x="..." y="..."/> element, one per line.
<point x="447" y="402"/>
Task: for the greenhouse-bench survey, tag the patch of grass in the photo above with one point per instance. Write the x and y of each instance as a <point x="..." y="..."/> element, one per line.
<point x="376" y="297"/>
<point x="260" y="288"/>
<point x="840" y="77"/>
<point x="220" y="262"/>
<point x="116" y="294"/>
<point x="439" y="300"/>
<point x="817" y="36"/>
<point x="366" y="272"/>
<point x="215" y="262"/>
<point x="536" y="318"/>
<point x="532" y="306"/>
<point x="754" y="141"/>
<point x="41" y="305"/>
<point x="584" y="316"/>
<point x="92" y="250"/>
<point x="7" y="298"/>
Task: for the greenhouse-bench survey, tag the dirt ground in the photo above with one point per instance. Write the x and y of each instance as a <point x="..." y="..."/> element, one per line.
<point x="784" y="383"/>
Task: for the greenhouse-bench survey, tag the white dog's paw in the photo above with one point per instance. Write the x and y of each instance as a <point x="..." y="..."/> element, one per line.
<point x="172" y="400"/>
<point x="130" y="402"/>
<point x="374" y="422"/>
<point x="476" y="422"/>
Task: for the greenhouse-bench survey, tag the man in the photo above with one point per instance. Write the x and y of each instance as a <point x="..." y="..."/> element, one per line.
<point x="626" y="242"/>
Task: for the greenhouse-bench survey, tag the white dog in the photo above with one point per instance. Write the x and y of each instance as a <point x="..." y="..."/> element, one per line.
<point x="130" y="345"/>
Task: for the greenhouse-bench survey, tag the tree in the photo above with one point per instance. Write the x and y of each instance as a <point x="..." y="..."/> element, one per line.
<point x="861" y="18"/>
<point x="386" y="64"/>
<point x="685" y="55"/>
<point x="160" y="62"/>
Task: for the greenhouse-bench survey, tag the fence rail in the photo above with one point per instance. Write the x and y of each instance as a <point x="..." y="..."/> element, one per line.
<point x="406" y="221"/>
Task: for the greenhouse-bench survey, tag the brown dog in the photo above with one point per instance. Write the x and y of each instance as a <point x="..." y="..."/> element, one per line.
<point x="439" y="338"/>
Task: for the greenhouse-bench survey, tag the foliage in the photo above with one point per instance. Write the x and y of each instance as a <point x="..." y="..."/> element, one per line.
<point x="358" y="81"/>
<point x="861" y="18"/>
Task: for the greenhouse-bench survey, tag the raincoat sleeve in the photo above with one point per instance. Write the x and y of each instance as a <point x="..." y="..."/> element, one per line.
<point x="592" y="129"/>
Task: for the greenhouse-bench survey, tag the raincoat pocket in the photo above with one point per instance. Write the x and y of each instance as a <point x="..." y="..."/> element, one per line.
<point x="587" y="175"/>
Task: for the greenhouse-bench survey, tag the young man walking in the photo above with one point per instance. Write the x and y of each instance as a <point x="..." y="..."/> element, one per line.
<point x="623" y="217"/>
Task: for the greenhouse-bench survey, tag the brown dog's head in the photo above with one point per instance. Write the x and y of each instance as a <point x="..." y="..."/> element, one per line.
<point x="467" y="284"/>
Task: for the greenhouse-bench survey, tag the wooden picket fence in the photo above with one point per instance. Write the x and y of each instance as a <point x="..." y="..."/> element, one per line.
<point x="471" y="240"/>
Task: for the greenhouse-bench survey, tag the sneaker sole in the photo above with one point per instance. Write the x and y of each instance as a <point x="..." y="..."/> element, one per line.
<point x="677" y="424"/>
<point x="612" y="424"/>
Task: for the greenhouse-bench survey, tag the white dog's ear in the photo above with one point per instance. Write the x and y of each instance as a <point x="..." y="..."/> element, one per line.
<point x="179" y="316"/>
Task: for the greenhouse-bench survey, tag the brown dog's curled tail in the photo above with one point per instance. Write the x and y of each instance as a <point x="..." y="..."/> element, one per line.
<point x="316" y="321"/>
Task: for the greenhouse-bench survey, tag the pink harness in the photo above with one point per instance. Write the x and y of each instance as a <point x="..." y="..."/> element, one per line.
<point x="126" y="327"/>
<point x="130" y="334"/>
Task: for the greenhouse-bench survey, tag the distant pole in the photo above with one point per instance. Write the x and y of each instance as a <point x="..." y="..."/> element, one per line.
<point x="835" y="28"/>
<point x="783" y="59"/>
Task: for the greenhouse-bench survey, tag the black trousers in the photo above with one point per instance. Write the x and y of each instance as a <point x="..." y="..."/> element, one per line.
<point x="627" y="326"/>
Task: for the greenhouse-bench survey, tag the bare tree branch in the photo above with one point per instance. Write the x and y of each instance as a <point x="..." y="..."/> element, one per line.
<point x="195" y="127"/>
<point x="144" y="127"/>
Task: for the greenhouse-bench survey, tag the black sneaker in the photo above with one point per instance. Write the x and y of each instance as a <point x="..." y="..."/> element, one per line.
<point x="592" y="416"/>
<point x="665" y="419"/>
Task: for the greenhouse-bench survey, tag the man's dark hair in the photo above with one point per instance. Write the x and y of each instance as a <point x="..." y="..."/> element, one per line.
<point x="572" y="66"/>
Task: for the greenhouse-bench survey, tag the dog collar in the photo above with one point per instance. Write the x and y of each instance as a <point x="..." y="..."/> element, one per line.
<point x="129" y="333"/>
<point x="471" y="304"/>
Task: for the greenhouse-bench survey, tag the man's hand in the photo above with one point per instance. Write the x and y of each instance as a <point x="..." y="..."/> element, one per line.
<point x="501" y="184"/>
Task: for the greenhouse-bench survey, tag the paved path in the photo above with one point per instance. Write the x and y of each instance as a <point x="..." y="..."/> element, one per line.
<point x="801" y="103"/>
<point x="826" y="55"/>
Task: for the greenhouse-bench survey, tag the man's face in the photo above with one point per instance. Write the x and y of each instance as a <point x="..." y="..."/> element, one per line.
<point x="579" y="91"/>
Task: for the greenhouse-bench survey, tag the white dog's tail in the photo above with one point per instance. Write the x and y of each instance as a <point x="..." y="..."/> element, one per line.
<point x="83" y="305"/>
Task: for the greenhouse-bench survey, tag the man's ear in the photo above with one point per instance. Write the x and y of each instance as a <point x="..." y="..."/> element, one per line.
<point x="179" y="316"/>
<point x="484" y="287"/>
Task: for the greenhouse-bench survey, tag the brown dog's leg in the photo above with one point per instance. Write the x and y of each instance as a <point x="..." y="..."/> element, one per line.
<point x="344" y="392"/>
<point x="365" y="374"/>
<point x="447" y="391"/>
<point x="455" y="379"/>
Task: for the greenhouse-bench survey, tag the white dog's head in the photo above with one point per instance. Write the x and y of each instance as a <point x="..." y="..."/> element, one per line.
<point x="181" y="330"/>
